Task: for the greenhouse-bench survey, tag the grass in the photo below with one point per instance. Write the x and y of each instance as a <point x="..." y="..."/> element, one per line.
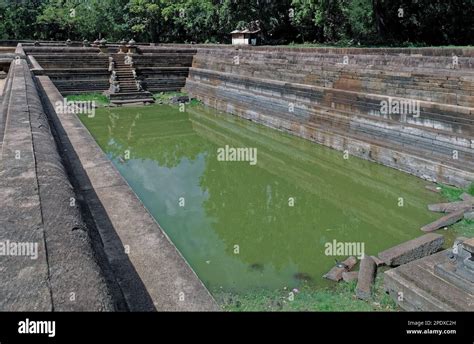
<point x="99" y="98"/>
<point x="452" y="194"/>
<point x="339" y="298"/>
<point x="165" y="97"/>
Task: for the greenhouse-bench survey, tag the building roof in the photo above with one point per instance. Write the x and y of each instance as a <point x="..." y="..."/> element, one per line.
<point x="244" y="31"/>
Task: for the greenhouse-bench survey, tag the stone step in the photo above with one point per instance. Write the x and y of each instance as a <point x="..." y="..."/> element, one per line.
<point x="416" y="287"/>
<point x="354" y="102"/>
<point x="430" y="135"/>
<point x="132" y="101"/>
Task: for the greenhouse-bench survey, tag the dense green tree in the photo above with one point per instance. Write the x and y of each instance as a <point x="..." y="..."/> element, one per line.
<point x="17" y="19"/>
<point x="348" y="22"/>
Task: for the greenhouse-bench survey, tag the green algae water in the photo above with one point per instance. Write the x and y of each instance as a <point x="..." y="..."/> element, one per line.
<point x="269" y="225"/>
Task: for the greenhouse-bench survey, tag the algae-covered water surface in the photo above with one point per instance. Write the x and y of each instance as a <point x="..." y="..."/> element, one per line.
<point x="272" y="222"/>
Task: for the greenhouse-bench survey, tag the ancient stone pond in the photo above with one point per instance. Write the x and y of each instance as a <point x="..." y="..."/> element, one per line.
<point x="269" y="225"/>
<point x="287" y="165"/>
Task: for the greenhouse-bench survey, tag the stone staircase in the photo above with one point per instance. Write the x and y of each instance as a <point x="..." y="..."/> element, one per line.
<point x="129" y="91"/>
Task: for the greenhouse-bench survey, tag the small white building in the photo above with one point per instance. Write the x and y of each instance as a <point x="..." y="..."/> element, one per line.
<point x="245" y="37"/>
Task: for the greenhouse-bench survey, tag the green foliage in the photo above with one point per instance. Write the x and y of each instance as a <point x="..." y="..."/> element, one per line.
<point x="470" y="189"/>
<point x="451" y="193"/>
<point x="343" y="22"/>
<point x="464" y="228"/>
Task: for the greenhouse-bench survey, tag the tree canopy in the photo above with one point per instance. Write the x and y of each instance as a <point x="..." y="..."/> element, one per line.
<point x="345" y="22"/>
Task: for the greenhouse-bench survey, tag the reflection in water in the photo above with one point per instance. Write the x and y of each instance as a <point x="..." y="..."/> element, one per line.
<point x="233" y="221"/>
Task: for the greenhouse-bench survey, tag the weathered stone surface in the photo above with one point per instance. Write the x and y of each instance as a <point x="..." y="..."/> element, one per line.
<point x="446" y="220"/>
<point x="339" y="105"/>
<point x="378" y="261"/>
<point x="412" y="250"/>
<point x="466" y="197"/>
<point x="36" y="208"/>
<point x="366" y="278"/>
<point x="416" y="287"/>
<point x="335" y="274"/>
<point x="349" y="276"/>
<point x="469" y="216"/>
<point x="449" y="207"/>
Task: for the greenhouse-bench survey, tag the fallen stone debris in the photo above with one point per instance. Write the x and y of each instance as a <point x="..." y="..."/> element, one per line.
<point x="366" y="278"/>
<point x="413" y="249"/>
<point x="378" y="261"/>
<point x="349" y="276"/>
<point x="335" y="274"/>
<point x="446" y="220"/>
<point x="449" y="207"/>
<point x="456" y="211"/>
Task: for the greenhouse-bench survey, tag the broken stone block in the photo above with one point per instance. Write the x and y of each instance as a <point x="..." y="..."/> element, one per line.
<point x="449" y="207"/>
<point x="335" y="274"/>
<point x="366" y="278"/>
<point x="378" y="261"/>
<point x="412" y="249"/>
<point x="447" y="220"/>
<point x="469" y="216"/>
<point x="466" y="197"/>
<point x="349" y="276"/>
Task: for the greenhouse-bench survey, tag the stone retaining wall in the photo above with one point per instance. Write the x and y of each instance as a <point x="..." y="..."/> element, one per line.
<point x="336" y="100"/>
<point x="38" y="207"/>
<point x="73" y="70"/>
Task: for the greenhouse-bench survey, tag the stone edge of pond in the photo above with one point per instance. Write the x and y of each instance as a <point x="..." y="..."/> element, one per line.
<point x="151" y="272"/>
<point x="65" y="273"/>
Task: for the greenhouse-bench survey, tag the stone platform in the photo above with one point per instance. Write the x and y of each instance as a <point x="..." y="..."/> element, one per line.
<point x="418" y="287"/>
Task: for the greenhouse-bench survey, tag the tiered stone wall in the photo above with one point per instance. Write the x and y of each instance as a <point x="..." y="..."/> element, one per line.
<point x="73" y="70"/>
<point x="76" y="70"/>
<point x="163" y="69"/>
<point x="336" y="97"/>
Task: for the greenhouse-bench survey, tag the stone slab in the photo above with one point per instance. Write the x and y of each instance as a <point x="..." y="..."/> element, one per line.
<point x="446" y="220"/>
<point x="366" y="278"/>
<point x="412" y="249"/>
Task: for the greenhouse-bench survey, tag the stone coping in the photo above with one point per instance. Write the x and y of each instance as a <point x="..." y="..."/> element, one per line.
<point x="149" y="269"/>
<point x="65" y="273"/>
<point x="430" y="51"/>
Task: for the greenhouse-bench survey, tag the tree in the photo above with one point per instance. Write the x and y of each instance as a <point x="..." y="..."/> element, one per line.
<point x="145" y="18"/>
<point x="15" y="19"/>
